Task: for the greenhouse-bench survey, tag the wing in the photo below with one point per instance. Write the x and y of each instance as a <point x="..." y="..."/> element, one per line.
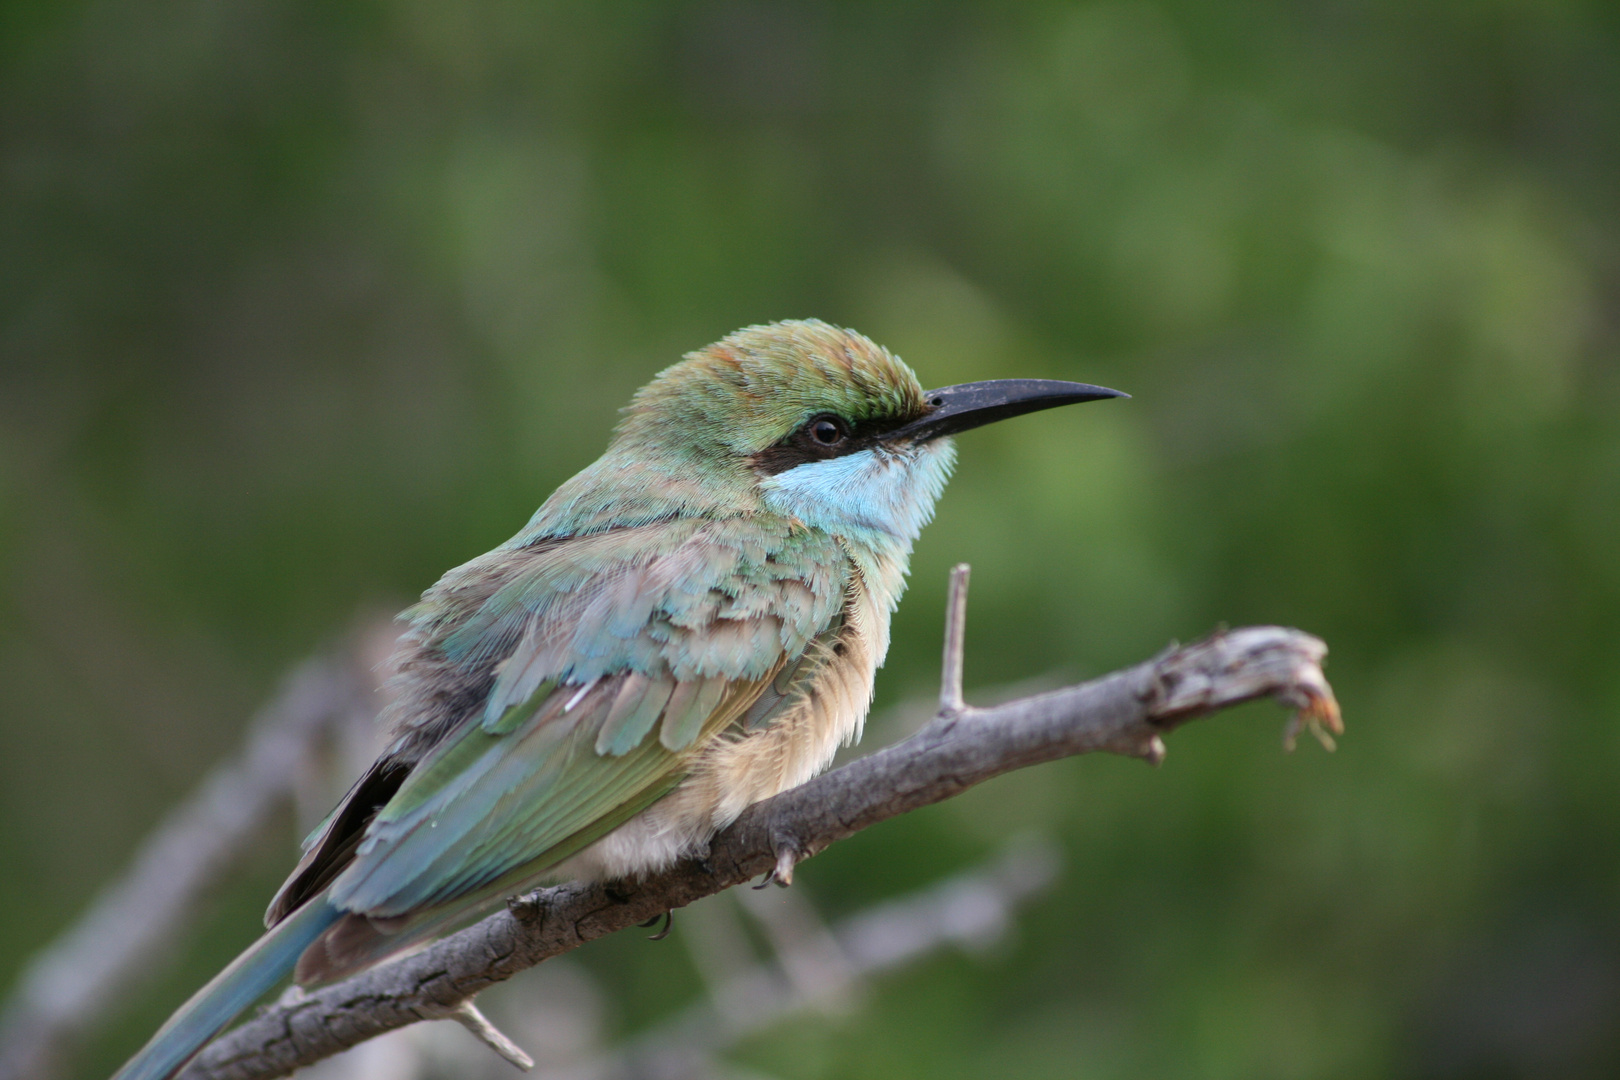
<point x="681" y="628"/>
<point x="490" y="803"/>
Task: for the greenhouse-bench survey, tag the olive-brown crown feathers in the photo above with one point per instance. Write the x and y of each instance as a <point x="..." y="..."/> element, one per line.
<point x="753" y="387"/>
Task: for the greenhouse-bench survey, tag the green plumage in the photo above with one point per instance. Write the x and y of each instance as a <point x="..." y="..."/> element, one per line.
<point x="612" y="636"/>
<point x="689" y="625"/>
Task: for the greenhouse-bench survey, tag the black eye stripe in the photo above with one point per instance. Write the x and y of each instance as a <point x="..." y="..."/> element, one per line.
<point x="820" y="438"/>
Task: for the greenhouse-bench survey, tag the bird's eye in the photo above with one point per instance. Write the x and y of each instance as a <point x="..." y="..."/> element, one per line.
<point x="828" y="430"/>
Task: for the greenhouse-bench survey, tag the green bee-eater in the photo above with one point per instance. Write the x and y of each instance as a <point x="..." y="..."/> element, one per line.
<point x="688" y="626"/>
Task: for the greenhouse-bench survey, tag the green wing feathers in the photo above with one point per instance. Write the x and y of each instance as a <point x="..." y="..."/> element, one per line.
<point x="445" y="851"/>
<point x="485" y="804"/>
<point x="615" y="659"/>
<point x="636" y="708"/>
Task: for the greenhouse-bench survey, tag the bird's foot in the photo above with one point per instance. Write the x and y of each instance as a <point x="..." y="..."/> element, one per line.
<point x="669" y="924"/>
<point x="787" y="857"/>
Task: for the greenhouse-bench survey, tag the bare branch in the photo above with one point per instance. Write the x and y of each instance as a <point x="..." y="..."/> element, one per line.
<point x="802" y="966"/>
<point x="71" y="985"/>
<point x="469" y="1017"/>
<point x="950" y="673"/>
<point x="1125" y="713"/>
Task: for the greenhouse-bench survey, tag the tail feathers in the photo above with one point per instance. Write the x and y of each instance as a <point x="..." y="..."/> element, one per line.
<point x="258" y="969"/>
<point x="357" y="942"/>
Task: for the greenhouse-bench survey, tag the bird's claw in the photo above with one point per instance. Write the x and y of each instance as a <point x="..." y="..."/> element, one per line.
<point x="781" y="875"/>
<point x="669" y="924"/>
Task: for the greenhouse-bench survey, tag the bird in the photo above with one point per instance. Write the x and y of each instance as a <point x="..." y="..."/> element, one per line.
<point x="689" y="625"/>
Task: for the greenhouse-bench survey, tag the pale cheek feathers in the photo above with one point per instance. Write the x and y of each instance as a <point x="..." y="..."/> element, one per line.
<point x="869" y="491"/>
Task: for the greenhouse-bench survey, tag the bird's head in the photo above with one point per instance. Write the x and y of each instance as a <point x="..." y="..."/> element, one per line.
<point x="805" y="419"/>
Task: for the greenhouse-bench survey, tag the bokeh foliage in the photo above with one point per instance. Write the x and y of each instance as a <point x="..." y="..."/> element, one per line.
<point x="302" y="303"/>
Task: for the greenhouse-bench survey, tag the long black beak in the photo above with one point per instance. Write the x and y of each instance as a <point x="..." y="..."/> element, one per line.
<point x="968" y="405"/>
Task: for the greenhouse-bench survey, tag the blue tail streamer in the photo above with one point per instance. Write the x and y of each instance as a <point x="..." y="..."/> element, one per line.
<point x="257" y="970"/>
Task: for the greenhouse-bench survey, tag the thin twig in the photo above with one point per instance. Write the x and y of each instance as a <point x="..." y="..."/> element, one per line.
<point x="468" y="1016"/>
<point x="972" y="909"/>
<point x="1124" y="713"/>
<point x="950" y="673"/>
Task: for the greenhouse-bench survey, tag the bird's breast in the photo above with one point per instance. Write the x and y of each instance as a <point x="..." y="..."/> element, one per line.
<point x="827" y="710"/>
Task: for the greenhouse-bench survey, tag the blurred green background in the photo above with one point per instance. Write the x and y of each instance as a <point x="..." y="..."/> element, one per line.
<point x="302" y="303"/>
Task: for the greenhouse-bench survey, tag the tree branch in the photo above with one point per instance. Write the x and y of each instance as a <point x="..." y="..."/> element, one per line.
<point x="73" y="984"/>
<point x="1124" y="713"/>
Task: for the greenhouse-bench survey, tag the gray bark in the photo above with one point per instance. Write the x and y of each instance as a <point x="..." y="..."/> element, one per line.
<point x="1127" y="712"/>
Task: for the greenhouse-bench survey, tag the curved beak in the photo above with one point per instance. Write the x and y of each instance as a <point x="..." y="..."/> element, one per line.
<point x="968" y="405"/>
